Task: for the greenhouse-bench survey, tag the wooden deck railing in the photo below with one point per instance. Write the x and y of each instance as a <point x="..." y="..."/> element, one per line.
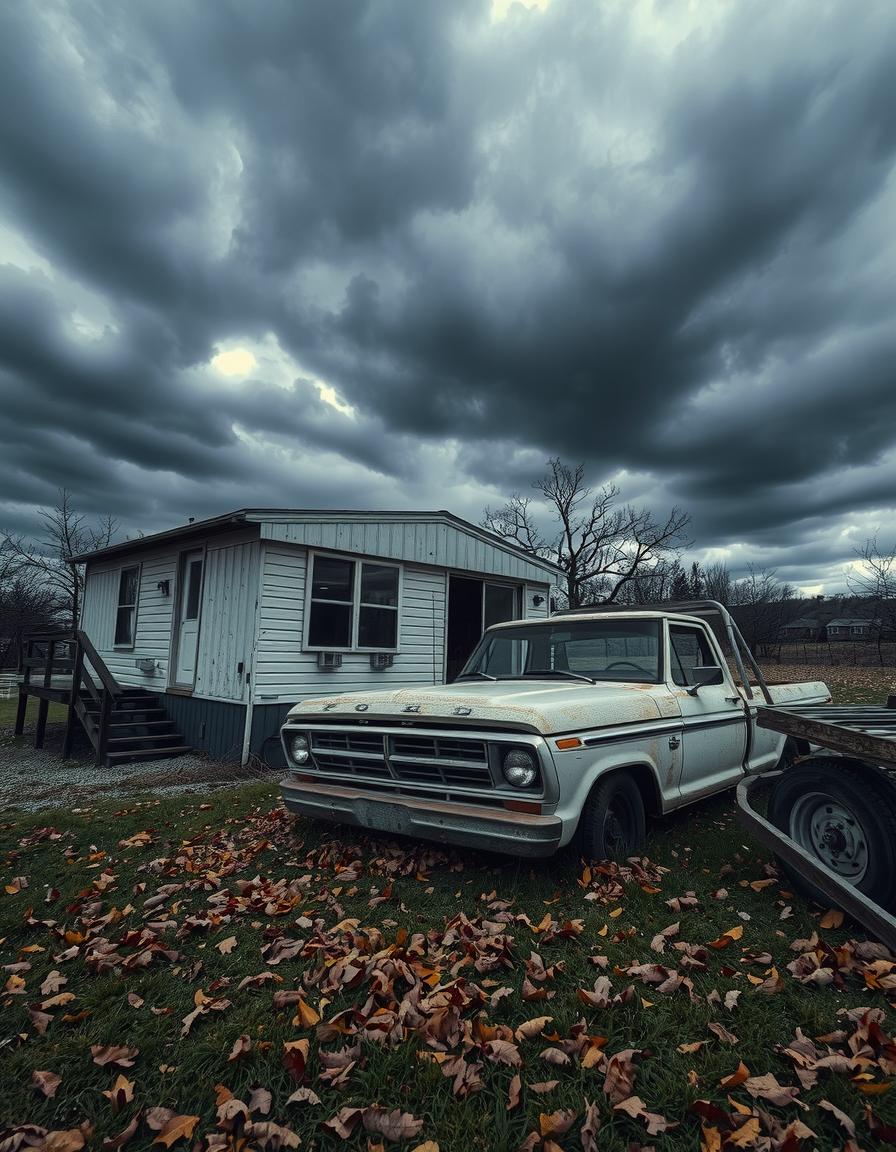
<point x="68" y="656"/>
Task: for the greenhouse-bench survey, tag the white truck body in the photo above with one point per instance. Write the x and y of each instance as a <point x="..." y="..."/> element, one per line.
<point x="428" y="762"/>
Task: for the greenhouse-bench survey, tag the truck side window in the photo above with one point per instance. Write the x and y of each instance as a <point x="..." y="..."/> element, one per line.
<point x="689" y="650"/>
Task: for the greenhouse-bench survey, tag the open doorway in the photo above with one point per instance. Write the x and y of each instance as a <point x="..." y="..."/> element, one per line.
<point x="473" y="606"/>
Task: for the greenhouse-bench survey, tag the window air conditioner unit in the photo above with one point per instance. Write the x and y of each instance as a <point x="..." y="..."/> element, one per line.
<point x="329" y="660"/>
<point x="381" y="660"/>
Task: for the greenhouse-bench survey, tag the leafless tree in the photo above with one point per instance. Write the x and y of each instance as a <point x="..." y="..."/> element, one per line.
<point x="875" y="581"/>
<point x="601" y="545"/>
<point x="717" y="582"/>
<point x="43" y="562"/>
<point x="765" y="605"/>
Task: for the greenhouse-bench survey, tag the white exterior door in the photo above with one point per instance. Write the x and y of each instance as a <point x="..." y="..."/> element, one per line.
<point x="715" y="730"/>
<point x="188" y="618"/>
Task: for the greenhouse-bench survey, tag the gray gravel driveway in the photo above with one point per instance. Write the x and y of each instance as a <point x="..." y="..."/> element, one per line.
<point x="32" y="778"/>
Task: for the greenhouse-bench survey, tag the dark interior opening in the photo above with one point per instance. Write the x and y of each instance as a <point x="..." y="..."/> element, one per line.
<point x="464" y="622"/>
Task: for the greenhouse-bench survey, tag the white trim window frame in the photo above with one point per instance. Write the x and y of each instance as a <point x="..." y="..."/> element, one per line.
<point x="127" y="606"/>
<point x="358" y="563"/>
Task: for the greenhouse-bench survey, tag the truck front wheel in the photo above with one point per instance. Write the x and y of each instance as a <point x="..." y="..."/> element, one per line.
<point x="844" y="818"/>
<point x="613" y="824"/>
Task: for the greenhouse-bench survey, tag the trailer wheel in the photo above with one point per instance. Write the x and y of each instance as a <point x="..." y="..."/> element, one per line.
<point x="841" y="815"/>
<point x="613" y="824"/>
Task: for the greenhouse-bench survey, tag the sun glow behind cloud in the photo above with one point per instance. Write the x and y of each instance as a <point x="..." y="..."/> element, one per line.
<point x="234" y="362"/>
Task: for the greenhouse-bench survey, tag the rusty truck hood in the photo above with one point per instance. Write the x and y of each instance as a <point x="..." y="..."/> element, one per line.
<point x="546" y="706"/>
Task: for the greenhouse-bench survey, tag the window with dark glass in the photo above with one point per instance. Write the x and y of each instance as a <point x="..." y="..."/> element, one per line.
<point x="378" y="607"/>
<point x="194" y="586"/>
<point x="126" y="612"/>
<point x="354" y="604"/>
<point x="332" y="587"/>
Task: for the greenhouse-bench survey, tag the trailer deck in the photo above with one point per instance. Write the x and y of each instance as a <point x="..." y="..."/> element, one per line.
<point x="861" y="732"/>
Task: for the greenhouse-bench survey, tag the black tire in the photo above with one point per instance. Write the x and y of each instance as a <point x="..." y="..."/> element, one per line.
<point x="613" y="824"/>
<point x="844" y="817"/>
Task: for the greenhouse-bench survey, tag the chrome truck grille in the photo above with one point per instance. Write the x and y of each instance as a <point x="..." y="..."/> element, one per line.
<point x="405" y="758"/>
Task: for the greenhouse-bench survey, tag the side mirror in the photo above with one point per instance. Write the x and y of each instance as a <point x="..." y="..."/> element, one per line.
<point x="703" y="676"/>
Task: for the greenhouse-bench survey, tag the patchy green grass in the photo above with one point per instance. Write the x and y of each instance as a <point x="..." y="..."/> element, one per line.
<point x="385" y="924"/>
<point x="56" y="714"/>
<point x="149" y="910"/>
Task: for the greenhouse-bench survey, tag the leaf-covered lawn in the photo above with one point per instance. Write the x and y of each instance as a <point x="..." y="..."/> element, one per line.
<point x="219" y="975"/>
<point x="849" y="684"/>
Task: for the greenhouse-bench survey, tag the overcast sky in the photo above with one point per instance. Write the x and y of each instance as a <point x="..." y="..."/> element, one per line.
<point x="396" y="254"/>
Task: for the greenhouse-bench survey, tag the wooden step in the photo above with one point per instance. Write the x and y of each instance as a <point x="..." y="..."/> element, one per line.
<point x="123" y="713"/>
<point x="147" y="754"/>
<point x="143" y="724"/>
<point x="157" y="738"/>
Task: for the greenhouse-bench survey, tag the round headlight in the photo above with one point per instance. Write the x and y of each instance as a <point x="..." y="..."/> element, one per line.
<point x="298" y="749"/>
<point x="519" y="767"/>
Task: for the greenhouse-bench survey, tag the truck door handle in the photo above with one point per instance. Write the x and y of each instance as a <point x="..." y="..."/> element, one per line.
<point x="674" y="742"/>
<point x="733" y="700"/>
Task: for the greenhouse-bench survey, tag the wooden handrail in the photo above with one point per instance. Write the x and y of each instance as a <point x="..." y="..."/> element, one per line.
<point x="83" y="663"/>
<point x="97" y="664"/>
<point x="57" y="634"/>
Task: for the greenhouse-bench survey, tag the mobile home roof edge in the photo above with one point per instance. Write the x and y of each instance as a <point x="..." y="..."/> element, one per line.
<point x="261" y="515"/>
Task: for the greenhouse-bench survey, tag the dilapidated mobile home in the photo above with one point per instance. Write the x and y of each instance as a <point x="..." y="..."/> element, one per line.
<point x="232" y="620"/>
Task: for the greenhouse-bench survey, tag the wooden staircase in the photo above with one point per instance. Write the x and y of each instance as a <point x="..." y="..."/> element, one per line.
<point x="122" y="723"/>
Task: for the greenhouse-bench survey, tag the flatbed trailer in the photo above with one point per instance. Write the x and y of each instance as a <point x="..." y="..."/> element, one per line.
<point x="832" y="813"/>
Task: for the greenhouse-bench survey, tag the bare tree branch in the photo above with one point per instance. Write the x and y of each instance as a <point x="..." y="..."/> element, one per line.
<point x="600" y="545"/>
<point x="64" y="533"/>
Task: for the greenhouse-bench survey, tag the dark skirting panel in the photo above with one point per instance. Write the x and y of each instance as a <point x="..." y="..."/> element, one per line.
<point x="212" y="726"/>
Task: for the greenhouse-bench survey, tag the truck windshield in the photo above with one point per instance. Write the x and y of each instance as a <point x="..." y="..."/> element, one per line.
<point x="597" y="649"/>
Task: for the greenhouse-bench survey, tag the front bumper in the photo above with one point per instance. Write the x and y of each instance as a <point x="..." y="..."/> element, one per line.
<point x="469" y="825"/>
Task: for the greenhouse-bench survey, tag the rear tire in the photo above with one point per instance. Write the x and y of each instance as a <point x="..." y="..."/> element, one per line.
<point x="613" y="824"/>
<point x="844" y="818"/>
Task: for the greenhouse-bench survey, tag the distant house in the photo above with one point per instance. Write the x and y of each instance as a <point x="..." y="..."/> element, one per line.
<point x="231" y="621"/>
<point x="804" y="628"/>
<point x="850" y="628"/>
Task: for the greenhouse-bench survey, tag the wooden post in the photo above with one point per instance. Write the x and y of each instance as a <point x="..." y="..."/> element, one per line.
<point x="44" y="705"/>
<point x="102" y="735"/>
<point x="20" y="711"/>
<point x="23" y="690"/>
<point x="77" y="666"/>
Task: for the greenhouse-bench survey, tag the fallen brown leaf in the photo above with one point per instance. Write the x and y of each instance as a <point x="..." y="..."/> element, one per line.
<point x="121" y="1092"/>
<point x="177" y="1128"/>
<point x="241" y="1046"/>
<point x="634" y="1107"/>
<point x="114" y="1054"/>
<point x="556" y="1123"/>
<point x="46" y="1082"/>
<point x="737" y="1077"/>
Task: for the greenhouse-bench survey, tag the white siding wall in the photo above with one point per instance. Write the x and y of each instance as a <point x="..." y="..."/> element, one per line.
<point x="532" y="611"/>
<point x="153" y="635"/>
<point x="430" y="542"/>
<point x="227" y="623"/>
<point x="284" y="672"/>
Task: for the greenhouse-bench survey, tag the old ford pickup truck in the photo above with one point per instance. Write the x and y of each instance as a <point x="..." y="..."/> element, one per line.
<point x="579" y="725"/>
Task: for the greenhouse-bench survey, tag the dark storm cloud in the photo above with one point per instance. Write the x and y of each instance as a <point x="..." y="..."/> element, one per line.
<point x="595" y="231"/>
